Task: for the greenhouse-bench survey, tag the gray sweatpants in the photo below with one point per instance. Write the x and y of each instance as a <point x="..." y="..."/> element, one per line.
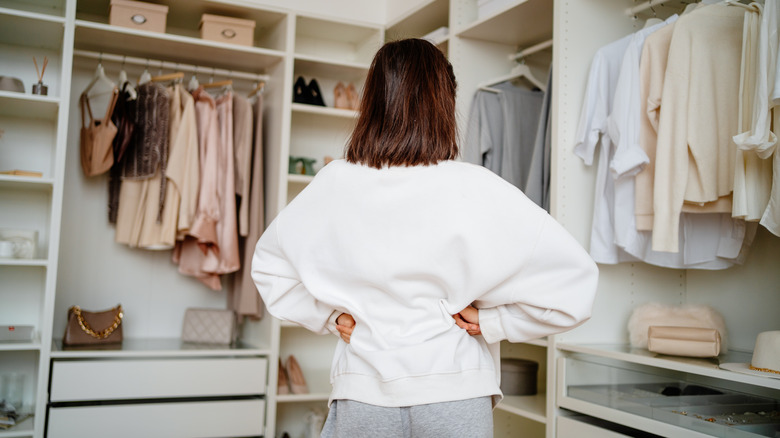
<point x="471" y="418"/>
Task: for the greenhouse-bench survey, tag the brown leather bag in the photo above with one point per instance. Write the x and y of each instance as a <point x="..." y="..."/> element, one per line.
<point x="97" y="137"/>
<point x="93" y="328"/>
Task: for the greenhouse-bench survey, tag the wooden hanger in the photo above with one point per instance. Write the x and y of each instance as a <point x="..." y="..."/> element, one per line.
<point x="258" y="88"/>
<point x="217" y="84"/>
<point x="169" y="77"/>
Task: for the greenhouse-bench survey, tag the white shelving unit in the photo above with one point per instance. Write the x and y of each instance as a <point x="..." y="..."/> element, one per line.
<point x="34" y="140"/>
<point x="741" y="294"/>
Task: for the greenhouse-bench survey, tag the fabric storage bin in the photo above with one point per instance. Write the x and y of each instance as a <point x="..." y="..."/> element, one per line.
<point x="518" y="376"/>
<point x="138" y="15"/>
<point x="227" y="30"/>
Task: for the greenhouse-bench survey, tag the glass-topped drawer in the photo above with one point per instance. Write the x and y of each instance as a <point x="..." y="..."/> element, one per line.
<point x="666" y="401"/>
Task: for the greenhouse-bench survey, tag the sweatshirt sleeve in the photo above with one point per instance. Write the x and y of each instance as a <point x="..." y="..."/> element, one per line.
<point x="284" y="294"/>
<point x="552" y="293"/>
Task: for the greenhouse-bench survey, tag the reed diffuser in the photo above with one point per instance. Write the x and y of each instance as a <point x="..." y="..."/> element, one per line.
<point x="39" y="88"/>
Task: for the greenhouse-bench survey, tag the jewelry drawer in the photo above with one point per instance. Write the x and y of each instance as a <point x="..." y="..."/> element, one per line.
<point x="202" y="419"/>
<point x="127" y="378"/>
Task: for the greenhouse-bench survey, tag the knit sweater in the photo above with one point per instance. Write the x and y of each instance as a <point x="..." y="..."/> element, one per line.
<point x="401" y="249"/>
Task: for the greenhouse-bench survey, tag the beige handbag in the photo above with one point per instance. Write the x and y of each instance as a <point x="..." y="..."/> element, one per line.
<point x="683" y="341"/>
<point x="209" y="326"/>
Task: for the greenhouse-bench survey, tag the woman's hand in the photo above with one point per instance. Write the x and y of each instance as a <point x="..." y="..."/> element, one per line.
<point x="468" y="319"/>
<point x="345" y="323"/>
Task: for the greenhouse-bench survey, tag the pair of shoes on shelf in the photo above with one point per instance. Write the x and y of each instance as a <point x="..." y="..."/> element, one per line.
<point x="291" y="378"/>
<point x="345" y="97"/>
<point x="309" y="94"/>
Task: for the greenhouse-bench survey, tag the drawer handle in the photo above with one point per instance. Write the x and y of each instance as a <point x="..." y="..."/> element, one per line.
<point x="138" y="19"/>
<point x="229" y="33"/>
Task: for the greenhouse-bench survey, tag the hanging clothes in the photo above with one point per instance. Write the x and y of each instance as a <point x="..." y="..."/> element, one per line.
<point x="141" y="200"/>
<point x="160" y="232"/>
<point x="124" y="118"/>
<point x="501" y="133"/>
<point x="183" y="169"/>
<point x="592" y="132"/>
<point x="484" y="132"/>
<point x="537" y="186"/>
<point x="242" y="146"/>
<point x="211" y="247"/>
<point x="150" y="146"/>
<point x="695" y="152"/>
<point x="245" y="300"/>
<point x="752" y="173"/>
<point x="96" y="137"/>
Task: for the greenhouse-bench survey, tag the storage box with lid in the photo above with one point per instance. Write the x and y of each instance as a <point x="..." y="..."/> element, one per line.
<point x="227" y="29"/>
<point x="138" y="15"/>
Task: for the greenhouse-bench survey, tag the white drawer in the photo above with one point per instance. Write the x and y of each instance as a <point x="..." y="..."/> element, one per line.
<point x="164" y="420"/>
<point x="122" y="379"/>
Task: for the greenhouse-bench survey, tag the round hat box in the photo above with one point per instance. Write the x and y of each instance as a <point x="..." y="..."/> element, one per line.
<point x="518" y="376"/>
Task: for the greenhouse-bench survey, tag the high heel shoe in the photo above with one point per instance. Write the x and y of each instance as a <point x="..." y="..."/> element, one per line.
<point x="340" y="97"/>
<point x="300" y="91"/>
<point x="283" y="384"/>
<point x="295" y="374"/>
<point x="314" y="93"/>
<point x="352" y="97"/>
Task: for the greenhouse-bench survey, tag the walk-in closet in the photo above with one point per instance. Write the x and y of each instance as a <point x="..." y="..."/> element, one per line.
<point x="281" y="78"/>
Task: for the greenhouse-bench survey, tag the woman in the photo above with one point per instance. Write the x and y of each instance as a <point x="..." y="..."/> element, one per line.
<point x="398" y="238"/>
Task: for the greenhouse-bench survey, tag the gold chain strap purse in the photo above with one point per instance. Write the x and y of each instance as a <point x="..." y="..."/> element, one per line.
<point x="93" y="328"/>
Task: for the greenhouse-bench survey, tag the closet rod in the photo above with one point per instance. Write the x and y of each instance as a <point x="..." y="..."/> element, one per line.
<point x="175" y="66"/>
<point x="531" y="50"/>
<point x="644" y="6"/>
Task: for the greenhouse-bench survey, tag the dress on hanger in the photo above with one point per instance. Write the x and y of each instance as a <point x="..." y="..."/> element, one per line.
<point x="245" y="300"/>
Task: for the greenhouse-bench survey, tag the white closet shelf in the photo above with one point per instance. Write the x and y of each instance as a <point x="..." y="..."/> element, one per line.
<point x="23" y="429"/>
<point x="419" y="20"/>
<point x="101" y="37"/>
<point x="24" y="262"/>
<point x="523" y="23"/>
<point x="314" y="66"/>
<point x="32" y="15"/>
<point x="532" y="407"/>
<point x="324" y="111"/>
<point x="30" y="106"/>
<point x="339" y="31"/>
<point x="157" y="347"/>
<point x="300" y="398"/>
<point x="20" y="346"/>
<point x="702" y="367"/>
<point x="25" y="183"/>
<point x="31" y="29"/>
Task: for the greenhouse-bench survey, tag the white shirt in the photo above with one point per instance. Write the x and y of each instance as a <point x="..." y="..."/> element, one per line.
<point x="701" y="232"/>
<point x="592" y="131"/>
<point x="401" y="249"/>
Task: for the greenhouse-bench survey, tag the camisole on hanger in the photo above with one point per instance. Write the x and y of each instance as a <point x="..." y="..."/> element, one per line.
<point x="97" y="154"/>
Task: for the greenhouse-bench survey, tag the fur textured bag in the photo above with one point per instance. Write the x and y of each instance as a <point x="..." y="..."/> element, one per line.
<point x="655" y="314"/>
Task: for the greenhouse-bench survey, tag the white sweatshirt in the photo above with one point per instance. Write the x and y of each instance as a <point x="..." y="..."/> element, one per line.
<point x="401" y="249"/>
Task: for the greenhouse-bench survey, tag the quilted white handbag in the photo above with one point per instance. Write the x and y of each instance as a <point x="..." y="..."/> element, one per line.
<point x="209" y="326"/>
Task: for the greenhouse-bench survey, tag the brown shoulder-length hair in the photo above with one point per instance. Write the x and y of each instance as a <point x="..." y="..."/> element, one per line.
<point x="407" y="111"/>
